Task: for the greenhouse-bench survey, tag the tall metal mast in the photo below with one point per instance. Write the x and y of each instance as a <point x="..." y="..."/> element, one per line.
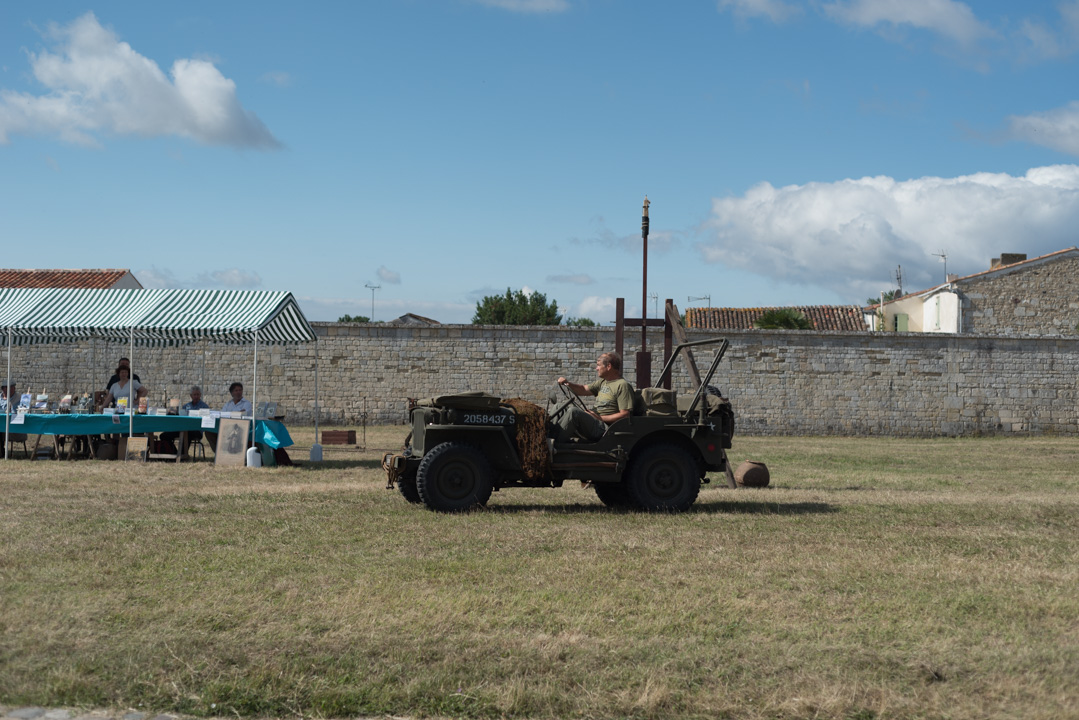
<point x="644" y="358"/>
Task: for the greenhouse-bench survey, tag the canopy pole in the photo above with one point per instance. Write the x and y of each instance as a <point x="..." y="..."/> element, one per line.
<point x="316" y="449"/>
<point x="7" y="395"/>
<point x="254" y="387"/>
<point x="131" y="388"/>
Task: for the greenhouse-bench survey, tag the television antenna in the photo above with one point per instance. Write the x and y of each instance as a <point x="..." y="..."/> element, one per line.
<point x="372" y="288"/>
<point x="898" y="281"/>
<point x="702" y="297"/>
<point x="655" y="304"/>
<point x="944" y="259"/>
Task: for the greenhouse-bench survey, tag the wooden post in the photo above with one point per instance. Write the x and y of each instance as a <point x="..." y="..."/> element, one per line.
<point x="668" y="343"/>
<point x="619" y="326"/>
<point x="644" y="358"/>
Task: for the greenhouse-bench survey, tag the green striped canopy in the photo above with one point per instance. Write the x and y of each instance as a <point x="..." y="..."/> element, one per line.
<point x="154" y="317"/>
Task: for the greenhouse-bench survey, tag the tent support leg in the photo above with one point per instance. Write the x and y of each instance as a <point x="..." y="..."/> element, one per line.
<point x="7" y="394"/>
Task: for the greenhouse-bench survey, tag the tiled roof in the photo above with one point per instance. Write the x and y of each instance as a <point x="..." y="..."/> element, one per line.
<point x="823" y="317"/>
<point x="414" y="319"/>
<point x="83" y="279"/>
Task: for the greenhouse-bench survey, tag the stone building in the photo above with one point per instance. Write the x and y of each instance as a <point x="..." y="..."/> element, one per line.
<point x="1015" y="296"/>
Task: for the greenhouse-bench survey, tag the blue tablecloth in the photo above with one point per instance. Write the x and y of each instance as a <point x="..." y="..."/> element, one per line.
<point x="267" y="432"/>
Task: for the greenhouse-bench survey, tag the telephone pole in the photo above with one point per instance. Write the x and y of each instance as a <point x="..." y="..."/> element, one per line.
<point x="372" y="288"/>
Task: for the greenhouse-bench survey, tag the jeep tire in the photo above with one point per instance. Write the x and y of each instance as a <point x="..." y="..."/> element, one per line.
<point x="454" y="477"/>
<point x="663" y="477"/>
<point x="612" y="494"/>
<point x="407" y="487"/>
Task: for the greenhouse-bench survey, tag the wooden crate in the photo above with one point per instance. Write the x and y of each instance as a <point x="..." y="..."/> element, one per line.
<point x="338" y="437"/>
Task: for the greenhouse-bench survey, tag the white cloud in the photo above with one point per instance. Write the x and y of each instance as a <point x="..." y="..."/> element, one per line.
<point x="277" y="77"/>
<point x="156" y="277"/>
<point x="527" y="6"/>
<point x="97" y="84"/>
<point x="600" y="309"/>
<point x="849" y="236"/>
<point x="658" y="240"/>
<point x="949" y="18"/>
<point x="389" y="276"/>
<point x="1057" y="129"/>
<point x="578" y="279"/>
<point x="774" y="10"/>
<point x="329" y="309"/>
<point x="230" y="279"/>
<point x="1056" y="40"/>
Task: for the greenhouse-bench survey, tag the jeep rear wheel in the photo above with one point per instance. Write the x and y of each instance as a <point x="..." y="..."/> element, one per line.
<point x="453" y="477"/>
<point x="663" y="477"/>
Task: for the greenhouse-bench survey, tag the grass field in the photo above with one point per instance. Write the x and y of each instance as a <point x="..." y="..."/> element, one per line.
<point x="877" y="578"/>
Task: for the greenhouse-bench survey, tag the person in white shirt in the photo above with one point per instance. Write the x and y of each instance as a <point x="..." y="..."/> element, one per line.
<point x="123" y="387"/>
<point x="238" y="401"/>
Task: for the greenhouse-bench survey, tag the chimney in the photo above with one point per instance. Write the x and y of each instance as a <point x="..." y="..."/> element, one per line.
<point x="1012" y="258"/>
<point x="952" y="277"/>
<point x="994" y="263"/>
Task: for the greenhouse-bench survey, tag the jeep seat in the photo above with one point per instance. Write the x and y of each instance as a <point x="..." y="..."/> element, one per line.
<point x="655" y="402"/>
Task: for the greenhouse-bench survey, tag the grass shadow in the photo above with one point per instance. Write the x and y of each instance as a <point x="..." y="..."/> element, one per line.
<point x="731" y="507"/>
<point x="759" y="507"/>
<point x="368" y="464"/>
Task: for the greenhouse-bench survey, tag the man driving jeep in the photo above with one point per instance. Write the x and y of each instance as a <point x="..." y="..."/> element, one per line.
<point x="614" y="401"/>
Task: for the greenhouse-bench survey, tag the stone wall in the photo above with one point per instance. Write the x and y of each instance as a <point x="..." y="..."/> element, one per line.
<point x="781" y="382"/>
<point x="1038" y="300"/>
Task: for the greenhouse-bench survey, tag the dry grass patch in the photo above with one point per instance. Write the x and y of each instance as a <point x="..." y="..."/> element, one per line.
<point x="877" y="578"/>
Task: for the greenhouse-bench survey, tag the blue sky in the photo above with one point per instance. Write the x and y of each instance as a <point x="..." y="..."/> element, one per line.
<point x="794" y="152"/>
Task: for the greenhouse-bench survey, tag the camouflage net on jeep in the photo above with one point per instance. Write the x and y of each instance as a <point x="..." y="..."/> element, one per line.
<point x="531" y="438"/>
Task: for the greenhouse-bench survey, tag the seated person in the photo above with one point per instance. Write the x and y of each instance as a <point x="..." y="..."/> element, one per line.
<point x="614" y="401"/>
<point x="8" y="391"/>
<point x="124" y="362"/>
<point x="124" y="387"/>
<point x="195" y="404"/>
<point x="238" y="403"/>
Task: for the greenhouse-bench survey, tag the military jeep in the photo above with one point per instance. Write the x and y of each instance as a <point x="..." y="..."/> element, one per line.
<point x="462" y="447"/>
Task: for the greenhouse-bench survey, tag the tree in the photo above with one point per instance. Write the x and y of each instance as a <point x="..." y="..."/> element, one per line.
<point x="888" y="297"/>
<point x="580" y="322"/>
<point x="783" y="319"/>
<point x="354" y="318"/>
<point x="516" y="308"/>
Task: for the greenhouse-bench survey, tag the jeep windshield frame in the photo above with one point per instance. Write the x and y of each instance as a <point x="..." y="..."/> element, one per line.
<point x="723" y="345"/>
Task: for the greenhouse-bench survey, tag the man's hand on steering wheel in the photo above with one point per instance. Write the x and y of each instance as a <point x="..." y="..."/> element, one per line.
<point x="570" y="398"/>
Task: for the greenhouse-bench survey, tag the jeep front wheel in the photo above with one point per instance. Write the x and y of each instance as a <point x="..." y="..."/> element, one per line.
<point x="407" y="487"/>
<point x="663" y="477"/>
<point x="454" y="477"/>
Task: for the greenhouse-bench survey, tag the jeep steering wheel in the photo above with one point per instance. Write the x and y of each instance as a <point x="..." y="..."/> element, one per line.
<point x="570" y="398"/>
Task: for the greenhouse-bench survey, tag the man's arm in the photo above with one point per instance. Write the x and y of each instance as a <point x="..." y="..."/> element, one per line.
<point x="614" y="417"/>
<point x="625" y="405"/>
<point x="577" y="389"/>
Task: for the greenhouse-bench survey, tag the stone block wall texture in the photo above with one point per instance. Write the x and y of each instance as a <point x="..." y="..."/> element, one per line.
<point x="780" y="382"/>
<point x="1039" y="300"/>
